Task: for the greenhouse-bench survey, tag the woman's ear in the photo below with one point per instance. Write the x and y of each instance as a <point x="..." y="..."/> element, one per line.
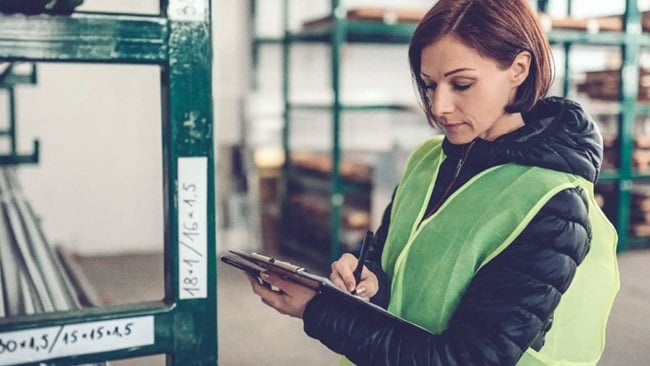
<point x="520" y="67"/>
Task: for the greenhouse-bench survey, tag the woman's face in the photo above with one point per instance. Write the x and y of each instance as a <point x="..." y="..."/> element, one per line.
<point x="468" y="93"/>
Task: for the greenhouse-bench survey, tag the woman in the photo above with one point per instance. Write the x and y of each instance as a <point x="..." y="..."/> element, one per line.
<point x="492" y="241"/>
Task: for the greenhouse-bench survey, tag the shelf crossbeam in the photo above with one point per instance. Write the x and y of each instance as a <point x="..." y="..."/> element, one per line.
<point x="84" y="37"/>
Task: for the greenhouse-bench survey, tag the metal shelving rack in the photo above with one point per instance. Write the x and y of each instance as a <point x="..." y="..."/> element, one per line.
<point x="631" y="41"/>
<point x="339" y="31"/>
<point x="183" y="325"/>
<point x="335" y="33"/>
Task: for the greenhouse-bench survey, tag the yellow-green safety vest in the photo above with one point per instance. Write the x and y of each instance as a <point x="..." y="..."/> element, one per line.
<point x="432" y="262"/>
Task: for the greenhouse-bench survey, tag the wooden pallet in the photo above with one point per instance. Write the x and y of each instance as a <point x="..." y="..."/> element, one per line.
<point x="388" y="15"/>
<point x="641" y="159"/>
<point x="642" y="141"/>
<point x="349" y="170"/>
<point x="317" y="209"/>
<point x="593" y="25"/>
<point x="640" y="230"/>
<point x="606" y="85"/>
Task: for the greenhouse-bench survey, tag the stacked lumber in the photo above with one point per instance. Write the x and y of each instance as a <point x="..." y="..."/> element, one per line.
<point x="321" y="165"/>
<point x="310" y="201"/>
<point x="641" y="154"/>
<point x="393" y="15"/>
<point x="606" y="85"/>
<point x="388" y="15"/>
<point x="640" y="210"/>
<point x="591" y="25"/>
<point x="317" y="209"/>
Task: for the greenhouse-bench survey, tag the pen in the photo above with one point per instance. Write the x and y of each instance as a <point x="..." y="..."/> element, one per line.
<point x="365" y="245"/>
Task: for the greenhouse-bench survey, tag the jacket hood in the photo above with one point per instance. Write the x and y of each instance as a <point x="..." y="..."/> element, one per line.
<point x="558" y="134"/>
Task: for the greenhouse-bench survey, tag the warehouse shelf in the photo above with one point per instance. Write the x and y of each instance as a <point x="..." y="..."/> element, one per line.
<point x="333" y="31"/>
<point x="183" y="325"/>
<point x="336" y="29"/>
<point x="631" y="39"/>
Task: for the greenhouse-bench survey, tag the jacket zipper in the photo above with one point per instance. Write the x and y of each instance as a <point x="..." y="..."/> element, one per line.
<point x="459" y="166"/>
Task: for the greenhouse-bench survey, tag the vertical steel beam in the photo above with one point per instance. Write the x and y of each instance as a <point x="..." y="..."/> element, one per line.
<point x="336" y="196"/>
<point x="189" y="184"/>
<point x="285" y="207"/>
<point x="629" y="94"/>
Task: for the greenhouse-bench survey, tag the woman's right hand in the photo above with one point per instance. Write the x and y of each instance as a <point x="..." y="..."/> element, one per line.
<point x="343" y="277"/>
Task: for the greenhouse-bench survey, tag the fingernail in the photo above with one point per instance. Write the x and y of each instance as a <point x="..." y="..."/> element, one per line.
<point x="361" y="290"/>
<point x="264" y="275"/>
<point x="352" y="288"/>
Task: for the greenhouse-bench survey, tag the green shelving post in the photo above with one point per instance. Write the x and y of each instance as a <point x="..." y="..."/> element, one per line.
<point x="629" y="93"/>
<point x="286" y="125"/>
<point x="183" y="325"/>
<point x="338" y="35"/>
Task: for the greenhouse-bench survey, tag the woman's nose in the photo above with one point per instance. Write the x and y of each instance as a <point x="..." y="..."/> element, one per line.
<point x="441" y="103"/>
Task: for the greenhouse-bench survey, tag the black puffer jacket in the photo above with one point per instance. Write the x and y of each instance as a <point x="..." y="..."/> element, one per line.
<point x="509" y="304"/>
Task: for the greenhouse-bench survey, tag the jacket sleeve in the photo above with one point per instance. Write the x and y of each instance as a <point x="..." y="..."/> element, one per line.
<point x="507" y="307"/>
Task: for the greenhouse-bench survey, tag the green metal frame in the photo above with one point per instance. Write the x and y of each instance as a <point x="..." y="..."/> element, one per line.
<point x="339" y="35"/>
<point x="185" y="321"/>
<point x="8" y="81"/>
<point x="629" y="94"/>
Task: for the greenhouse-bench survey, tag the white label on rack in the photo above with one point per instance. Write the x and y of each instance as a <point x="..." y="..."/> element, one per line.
<point x="187" y="10"/>
<point x="192" y="227"/>
<point x="47" y="343"/>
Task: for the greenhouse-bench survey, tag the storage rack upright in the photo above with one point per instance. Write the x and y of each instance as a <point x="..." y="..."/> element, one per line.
<point x="183" y="325"/>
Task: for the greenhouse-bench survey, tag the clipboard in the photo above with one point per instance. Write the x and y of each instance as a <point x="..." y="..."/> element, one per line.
<point x="254" y="263"/>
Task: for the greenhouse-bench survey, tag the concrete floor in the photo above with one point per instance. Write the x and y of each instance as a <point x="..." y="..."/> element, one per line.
<point x="252" y="334"/>
<point x="628" y="331"/>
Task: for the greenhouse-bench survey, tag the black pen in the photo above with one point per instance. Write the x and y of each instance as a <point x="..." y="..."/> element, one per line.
<point x="365" y="245"/>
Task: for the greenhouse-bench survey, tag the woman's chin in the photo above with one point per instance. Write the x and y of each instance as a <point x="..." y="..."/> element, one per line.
<point x="459" y="139"/>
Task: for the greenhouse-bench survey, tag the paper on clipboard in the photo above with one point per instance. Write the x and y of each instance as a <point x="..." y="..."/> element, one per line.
<point x="254" y="263"/>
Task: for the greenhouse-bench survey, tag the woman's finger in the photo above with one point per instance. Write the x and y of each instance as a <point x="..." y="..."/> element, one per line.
<point x="261" y="287"/>
<point x="283" y="295"/>
<point x="343" y="272"/>
<point x="369" y="284"/>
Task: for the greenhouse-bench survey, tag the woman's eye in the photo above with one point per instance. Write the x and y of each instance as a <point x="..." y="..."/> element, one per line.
<point x="462" y="87"/>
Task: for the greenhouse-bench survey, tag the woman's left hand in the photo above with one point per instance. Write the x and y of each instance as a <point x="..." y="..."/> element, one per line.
<point x="286" y="297"/>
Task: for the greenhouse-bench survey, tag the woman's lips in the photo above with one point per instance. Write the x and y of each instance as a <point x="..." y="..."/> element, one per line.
<point x="448" y="126"/>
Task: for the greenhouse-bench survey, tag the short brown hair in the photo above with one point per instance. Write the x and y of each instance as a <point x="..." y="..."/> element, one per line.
<point x="499" y="29"/>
